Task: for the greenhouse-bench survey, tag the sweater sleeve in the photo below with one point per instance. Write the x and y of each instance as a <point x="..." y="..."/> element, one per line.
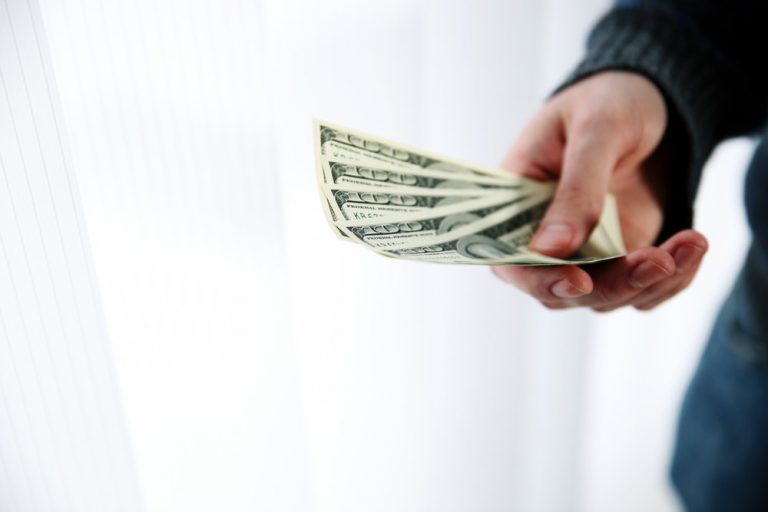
<point x="705" y="57"/>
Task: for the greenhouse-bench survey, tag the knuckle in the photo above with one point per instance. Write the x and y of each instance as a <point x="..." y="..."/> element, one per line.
<point x="544" y="296"/>
<point x="591" y="214"/>
<point x="548" y="305"/>
<point x="542" y="291"/>
<point x="553" y="305"/>
<point x="580" y="198"/>
<point x="607" y="293"/>
<point x="603" y="120"/>
<point x="654" y="298"/>
<point x="674" y="292"/>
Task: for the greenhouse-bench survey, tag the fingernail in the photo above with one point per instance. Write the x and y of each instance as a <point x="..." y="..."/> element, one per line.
<point x="553" y="237"/>
<point x="647" y="273"/>
<point x="565" y="290"/>
<point x="687" y="256"/>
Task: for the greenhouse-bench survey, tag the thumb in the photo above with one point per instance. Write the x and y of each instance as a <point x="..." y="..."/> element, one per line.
<point x="588" y="163"/>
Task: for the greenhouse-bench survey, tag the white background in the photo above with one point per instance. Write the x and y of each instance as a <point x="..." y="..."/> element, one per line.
<point x="263" y="365"/>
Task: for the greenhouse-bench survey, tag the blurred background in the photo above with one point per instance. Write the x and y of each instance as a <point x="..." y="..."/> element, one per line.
<point x="181" y="331"/>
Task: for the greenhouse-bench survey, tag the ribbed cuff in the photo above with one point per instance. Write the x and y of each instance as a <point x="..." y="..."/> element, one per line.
<point x="693" y="77"/>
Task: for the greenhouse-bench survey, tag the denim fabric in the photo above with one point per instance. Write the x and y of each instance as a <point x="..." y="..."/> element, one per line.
<point x="721" y="454"/>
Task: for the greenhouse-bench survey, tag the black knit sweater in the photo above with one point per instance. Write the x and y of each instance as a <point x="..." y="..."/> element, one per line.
<point x="709" y="59"/>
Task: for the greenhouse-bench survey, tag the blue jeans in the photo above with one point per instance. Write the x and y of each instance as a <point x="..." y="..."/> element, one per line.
<point x="721" y="454"/>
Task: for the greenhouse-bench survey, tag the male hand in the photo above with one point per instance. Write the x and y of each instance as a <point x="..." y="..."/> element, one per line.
<point x="603" y="134"/>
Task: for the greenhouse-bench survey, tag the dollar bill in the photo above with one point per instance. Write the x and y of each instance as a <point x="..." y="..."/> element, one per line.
<point x="410" y="204"/>
<point x="339" y="171"/>
<point x="397" y="234"/>
<point x="358" y="205"/>
<point x="337" y="142"/>
<point x="365" y="207"/>
<point x="332" y="217"/>
<point x="506" y="242"/>
<point x="506" y="220"/>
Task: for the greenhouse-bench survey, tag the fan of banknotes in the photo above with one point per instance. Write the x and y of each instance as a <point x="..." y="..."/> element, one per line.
<point x="406" y="203"/>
